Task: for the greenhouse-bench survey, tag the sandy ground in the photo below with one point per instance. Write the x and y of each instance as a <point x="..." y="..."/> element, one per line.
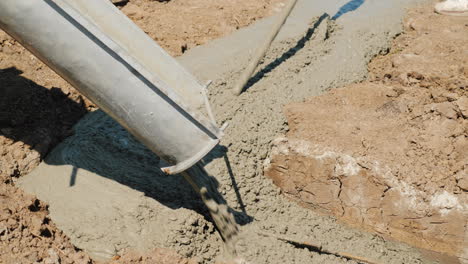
<point x="38" y="110"/>
<point x="179" y="25"/>
<point x="390" y="154"/>
<point x="117" y="180"/>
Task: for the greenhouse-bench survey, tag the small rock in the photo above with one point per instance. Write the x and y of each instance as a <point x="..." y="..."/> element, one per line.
<point x="403" y="79"/>
<point x="36" y="225"/>
<point x="184" y="241"/>
<point x="53" y="257"/>
<point x="446" y="109"/>
<point x="463" y="106"/>
<point x="451" y="96"/>
<point x="463" y="184"/>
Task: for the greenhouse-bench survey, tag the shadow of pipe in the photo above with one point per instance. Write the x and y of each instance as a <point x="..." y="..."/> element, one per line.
<point x="101" y="146"/>
<point x="346" y="8"/>
<point x="220" y="151"/>
<point x="73" y="176"/>
<point x="234" y="184"/>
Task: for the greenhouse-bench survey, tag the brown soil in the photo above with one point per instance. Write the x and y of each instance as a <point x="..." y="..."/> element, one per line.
<point x="390" y="154"/>
<point x="179" y="25"/>
<point x="27" y="235"/>
<point x="38" y="110"/>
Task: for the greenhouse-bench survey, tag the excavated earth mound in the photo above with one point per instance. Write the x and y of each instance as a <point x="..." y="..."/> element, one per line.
<point x="390" y="154"/>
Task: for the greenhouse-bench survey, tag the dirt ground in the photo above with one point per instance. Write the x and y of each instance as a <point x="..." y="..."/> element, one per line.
<point x="389" y="155"/>
<point x="179" y="25"/>
<point x="38" y="110"/>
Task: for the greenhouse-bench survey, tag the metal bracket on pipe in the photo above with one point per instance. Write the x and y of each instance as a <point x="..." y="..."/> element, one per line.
<point x="182" y="166"/>
<point x="224" y="126"/>
<point x="208" y="106"/>
<point x="171" y="170"/>
<point x="207" y="102"/>
<point x="189" y="163"/>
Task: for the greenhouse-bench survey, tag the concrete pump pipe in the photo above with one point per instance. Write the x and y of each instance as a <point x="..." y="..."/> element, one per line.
<point x="98" y="50"/>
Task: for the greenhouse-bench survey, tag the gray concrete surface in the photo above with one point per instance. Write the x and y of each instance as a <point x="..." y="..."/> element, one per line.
<point x="107" y="193"/>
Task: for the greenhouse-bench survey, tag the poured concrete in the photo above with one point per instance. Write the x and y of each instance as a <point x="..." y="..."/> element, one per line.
<point x="107" y="193"/>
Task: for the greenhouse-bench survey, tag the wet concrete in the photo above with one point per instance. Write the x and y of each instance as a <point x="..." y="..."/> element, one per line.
<point x="119" y="198"/>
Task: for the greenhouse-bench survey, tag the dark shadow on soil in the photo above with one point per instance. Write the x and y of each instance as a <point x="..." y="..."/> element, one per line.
<point x="120" y="3"/>
<point x="234" y="183"/>
<point x="288" y="54"/>
<point x="33" y="114"/>
<point x="348" y="7"/>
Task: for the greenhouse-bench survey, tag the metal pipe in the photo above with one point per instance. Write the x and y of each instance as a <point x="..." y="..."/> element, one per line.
<point x="98" y="50"/>
<point x="262" y="49"/>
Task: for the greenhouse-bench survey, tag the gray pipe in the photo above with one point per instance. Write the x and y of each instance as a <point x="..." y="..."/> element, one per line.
<point x="98" y="50"/>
